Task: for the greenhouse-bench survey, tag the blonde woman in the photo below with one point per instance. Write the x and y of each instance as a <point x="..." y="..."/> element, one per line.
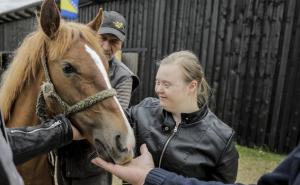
<point x="180" y="131"/>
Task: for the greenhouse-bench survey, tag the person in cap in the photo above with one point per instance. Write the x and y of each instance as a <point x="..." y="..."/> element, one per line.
<point x="75" y="158"/>
<point x="113" y="33"/>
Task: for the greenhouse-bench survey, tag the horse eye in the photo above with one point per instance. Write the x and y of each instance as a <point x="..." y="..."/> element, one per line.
<point x="68" y="68"/>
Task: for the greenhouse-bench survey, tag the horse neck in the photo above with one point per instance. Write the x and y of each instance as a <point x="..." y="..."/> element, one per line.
<point x="23" y="112"/>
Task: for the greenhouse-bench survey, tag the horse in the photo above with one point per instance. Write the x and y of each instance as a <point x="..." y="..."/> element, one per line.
<point x="60" y="68"/>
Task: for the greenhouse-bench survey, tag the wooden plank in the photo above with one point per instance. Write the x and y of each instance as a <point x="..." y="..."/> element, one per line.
<point x="241" y="64"/>
<point x="131" y="25"/>
<point x="134" y="21"/>
<point x="136" y="24"/>
<point x="199" y="27"/>
<point x="261" y="79"/>
<point x="126" y="14"/>
<point x="104" y="6"/>
<point x="289" y="131"/>
<point x="144" y="58"/>
<point x="172" y="36"/>
<point x="92" y="13"/>
<point x="225" y="61"/>
<point x="271" y="61"/>
<point x="238" y="57"/>
<point x="117" y="6"/>
<point x="85" y="17"/>
<point x="212" y="42"/>
<point x="148" y="65"/>
<point x="122" y="8"/>
<point x="259" y="109"/>
<point x="154" y="46"/>
<point x="282" y="72"/>
<point x="205" y="33"/>
<point x="185" y="25"/>
<point x="192" y="9"/>
<point x="113" y="5"/>
<point x="223" y="13"/>
<point x="140" y="15"/>
<point x="231" y="76"/>
<point x="295" y="106"/>
<point x="179" y="26"/>
<point x="160" y="30"/>
<point x="239" y="54"/>
<point x="166" y="31"/>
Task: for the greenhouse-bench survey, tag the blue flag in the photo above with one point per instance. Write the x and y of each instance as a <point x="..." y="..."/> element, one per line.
<point x="69" y="9"/>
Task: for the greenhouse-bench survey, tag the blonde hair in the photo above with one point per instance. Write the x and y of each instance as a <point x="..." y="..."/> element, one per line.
<point x="192" y="70"/>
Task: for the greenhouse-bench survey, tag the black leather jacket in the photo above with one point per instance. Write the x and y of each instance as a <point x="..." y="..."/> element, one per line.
<point x="21" y="144"/>
<point x="202" y="146"/>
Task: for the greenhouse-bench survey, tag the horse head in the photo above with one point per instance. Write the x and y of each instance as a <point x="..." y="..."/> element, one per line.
<point x="78" y="70"/>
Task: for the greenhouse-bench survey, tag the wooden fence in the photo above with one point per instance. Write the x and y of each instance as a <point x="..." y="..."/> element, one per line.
<point x="250" y="50"/>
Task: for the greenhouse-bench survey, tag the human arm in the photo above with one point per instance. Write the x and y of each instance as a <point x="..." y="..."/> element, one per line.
<point x="141" y="171"/>
<point x="159" y="176"/>
<point x="28" y="142"/>
<point x="227" y="166"/>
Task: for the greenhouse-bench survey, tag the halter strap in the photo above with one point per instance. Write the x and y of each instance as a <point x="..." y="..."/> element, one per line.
<point x="48" y="90"/>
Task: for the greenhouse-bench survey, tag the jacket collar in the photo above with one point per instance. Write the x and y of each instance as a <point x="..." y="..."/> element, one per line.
<point x="186" y="118"/>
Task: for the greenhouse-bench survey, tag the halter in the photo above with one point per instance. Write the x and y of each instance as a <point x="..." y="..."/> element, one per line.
<point x="48" y="90"/>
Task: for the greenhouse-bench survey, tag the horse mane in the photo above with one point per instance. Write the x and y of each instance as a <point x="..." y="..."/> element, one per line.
<point x="25" y="66"/>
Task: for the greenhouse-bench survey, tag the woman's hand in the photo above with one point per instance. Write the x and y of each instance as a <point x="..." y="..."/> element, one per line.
<point x="134" y="172"/>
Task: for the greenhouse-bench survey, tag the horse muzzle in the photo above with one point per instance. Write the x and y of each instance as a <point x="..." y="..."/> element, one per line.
<point x="119" y="149"/>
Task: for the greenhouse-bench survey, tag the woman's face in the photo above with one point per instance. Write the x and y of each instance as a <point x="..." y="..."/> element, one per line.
<point x="172" y="90"/>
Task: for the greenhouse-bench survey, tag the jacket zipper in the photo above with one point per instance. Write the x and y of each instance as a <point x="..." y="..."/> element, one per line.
<point x="166" y="144"/>
<point x="56" y="123"/>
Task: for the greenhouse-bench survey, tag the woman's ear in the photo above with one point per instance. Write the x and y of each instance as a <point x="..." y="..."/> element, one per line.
<point x="193" y="85"/>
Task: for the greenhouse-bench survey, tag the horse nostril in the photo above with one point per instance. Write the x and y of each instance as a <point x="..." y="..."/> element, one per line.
<point x="120" y="146"/>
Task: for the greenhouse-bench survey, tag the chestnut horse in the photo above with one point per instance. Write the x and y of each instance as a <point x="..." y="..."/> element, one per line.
<point x="67" y="56"/>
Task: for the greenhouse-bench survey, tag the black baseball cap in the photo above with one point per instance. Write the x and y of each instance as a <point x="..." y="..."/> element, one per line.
<point x="113" y="23"/>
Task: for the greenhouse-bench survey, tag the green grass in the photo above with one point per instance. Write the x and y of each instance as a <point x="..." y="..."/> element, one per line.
<point x="253" y="163"/>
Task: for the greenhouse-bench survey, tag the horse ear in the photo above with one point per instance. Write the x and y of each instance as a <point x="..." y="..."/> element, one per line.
<point x="96" y="22"/>
<point x="49" y="18"/>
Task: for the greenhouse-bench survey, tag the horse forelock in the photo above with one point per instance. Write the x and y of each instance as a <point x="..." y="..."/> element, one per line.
<point x="26" y="64"/>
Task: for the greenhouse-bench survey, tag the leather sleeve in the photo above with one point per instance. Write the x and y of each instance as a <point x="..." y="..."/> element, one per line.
<point x="28" y="142"/>
<point x="226" y="170"/>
